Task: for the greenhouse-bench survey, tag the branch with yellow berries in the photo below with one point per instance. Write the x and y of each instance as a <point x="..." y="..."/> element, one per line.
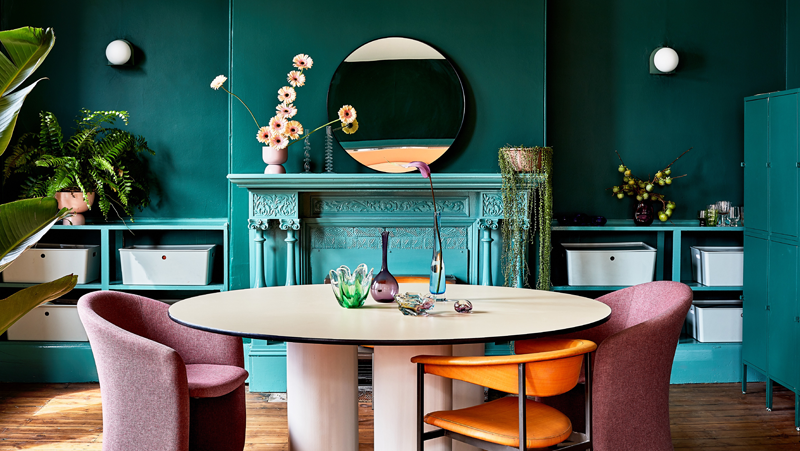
<point x="642" y="189"/>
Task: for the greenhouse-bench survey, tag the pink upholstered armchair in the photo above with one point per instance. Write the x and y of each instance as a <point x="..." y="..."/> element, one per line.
<point x="631" y="368"/>
<point x="163" y="386"/>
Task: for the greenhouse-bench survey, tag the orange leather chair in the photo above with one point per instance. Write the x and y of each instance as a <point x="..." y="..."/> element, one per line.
<point x="551" y="368"/>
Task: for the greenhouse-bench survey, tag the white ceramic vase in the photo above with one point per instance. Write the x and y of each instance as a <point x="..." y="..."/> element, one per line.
<point x="274" y="159"/>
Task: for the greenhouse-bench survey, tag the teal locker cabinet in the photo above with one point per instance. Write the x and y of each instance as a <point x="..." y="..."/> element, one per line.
<point x="771" y="313"/>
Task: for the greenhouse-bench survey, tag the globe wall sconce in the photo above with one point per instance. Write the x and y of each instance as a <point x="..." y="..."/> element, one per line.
<point x="119" y="53"/>
<point x="663" y="61"/>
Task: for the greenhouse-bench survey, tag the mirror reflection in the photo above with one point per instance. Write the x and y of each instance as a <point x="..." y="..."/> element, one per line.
<point x="409" y="99"/>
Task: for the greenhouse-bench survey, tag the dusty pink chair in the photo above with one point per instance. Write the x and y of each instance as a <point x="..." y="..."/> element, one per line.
<point x="631" y="368"/>
<point x="164" y="386"/>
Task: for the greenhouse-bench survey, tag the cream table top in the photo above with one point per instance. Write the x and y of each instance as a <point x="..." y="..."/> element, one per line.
<point x="310" y="314"/>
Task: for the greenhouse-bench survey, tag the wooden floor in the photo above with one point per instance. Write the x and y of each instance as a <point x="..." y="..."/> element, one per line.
<point x="708" y="417"/>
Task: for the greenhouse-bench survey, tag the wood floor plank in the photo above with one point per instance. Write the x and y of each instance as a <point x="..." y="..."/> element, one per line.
<point x="707" y="417"/>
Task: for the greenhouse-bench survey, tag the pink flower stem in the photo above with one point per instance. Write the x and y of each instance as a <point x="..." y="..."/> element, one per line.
<point x="245" y="105"/>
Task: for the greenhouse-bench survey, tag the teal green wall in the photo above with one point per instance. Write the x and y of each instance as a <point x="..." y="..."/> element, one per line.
<point x="601" y="97"/>
<point x="497" y="50"/>
<point x="181" y="45"/>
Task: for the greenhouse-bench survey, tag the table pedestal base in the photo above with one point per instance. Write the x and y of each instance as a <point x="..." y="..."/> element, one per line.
<point x="322" y="397"/>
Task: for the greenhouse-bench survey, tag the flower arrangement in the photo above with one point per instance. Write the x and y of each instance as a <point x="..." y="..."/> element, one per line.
<point x="437" y="284"/>
<point x="281" y="131"/>
<point x="642" y="189"/>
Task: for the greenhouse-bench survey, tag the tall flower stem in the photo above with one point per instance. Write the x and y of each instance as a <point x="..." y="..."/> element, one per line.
<point x="313" y="131"/>
<point x="436" y="225"/>
<point x="245" y="105"/>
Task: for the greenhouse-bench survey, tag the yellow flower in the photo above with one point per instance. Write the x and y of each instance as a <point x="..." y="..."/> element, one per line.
<point x="351" y="127"/>
<point x="294" y="129"/>
<point x="263" y="135"/>
<point x="347" y="114"/>
<point x="278" y="141"/>
<point x="287" y="94"/>
<point x="277" y="124"/>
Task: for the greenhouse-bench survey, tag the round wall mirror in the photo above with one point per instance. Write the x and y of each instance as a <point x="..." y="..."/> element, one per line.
<point x="409" y="100"/>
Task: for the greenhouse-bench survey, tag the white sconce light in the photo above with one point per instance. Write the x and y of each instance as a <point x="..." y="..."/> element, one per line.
<point x="663" y="61"/>
<point x="119" y="53"/>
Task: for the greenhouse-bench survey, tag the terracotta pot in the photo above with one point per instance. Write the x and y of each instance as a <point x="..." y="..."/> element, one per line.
<point x="75" y="202"/>
<point x="520" y="158"/>
<point x="274" y="159"/>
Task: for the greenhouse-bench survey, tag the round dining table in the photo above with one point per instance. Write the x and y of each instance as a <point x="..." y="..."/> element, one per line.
<point x="322" y="359"/>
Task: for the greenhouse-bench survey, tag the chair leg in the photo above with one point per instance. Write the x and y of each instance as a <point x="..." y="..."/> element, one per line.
<point x="744" y="378"/>
<point x="420" y="405"/>
<point x="523" y="438"/>
<point x="769" y="394"/>
<point x="587" y="371"/>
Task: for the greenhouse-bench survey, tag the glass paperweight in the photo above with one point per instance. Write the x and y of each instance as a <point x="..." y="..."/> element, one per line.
<point x="463" y="306"/>
<point x="351" y="290"/>
<point x="415" y="304"/>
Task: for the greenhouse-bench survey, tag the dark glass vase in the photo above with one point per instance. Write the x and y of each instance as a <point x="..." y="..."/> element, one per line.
<point x="437" y="282"/>
<point x="644" y="214"/>
<point x="384" y="285"/>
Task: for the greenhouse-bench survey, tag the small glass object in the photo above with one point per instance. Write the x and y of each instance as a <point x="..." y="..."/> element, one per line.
<point x="736" y="216"/>
<point x="711" y="215"/>
<point x="351" y="289"/>
<point x="701" y="216"/>
<point x="415" y="304"/>
<point x="307" y="156"/>
<point x="643" y="215"/>
<point x="328" y="149"/>
<point x="385" y="286"/>
<point x="723" y="207"/>
<point x="463" y="306"/>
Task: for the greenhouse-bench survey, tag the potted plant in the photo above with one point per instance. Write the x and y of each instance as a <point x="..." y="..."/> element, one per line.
<point x="97" y="160"/>
<point x="527" y="192"/>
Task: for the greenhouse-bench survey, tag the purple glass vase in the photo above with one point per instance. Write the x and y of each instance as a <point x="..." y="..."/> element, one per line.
<point x="384" y="285"/>
<point x="643" y="215"/>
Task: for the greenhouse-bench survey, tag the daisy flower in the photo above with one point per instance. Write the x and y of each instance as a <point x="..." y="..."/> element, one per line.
<point x="263" y="135"/>
<point x="351" y="127"/>
<point x="286" y="110"/>
<point x="347" y="114"/>
<point x="303" y="61"/>
<point x="287" y="94"/>
<point x="277" y="125"/>
<point x="278" y="141"/>
<point x="294" y="129"/>
<point x="296" y="78"/>
<point x="218" y="82"/>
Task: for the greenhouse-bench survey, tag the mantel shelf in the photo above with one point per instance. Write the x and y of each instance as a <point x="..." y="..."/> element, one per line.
<point x="346" y="182"/>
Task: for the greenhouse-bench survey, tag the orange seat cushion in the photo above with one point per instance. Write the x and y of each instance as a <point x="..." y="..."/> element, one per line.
<point x="498" y="422"/>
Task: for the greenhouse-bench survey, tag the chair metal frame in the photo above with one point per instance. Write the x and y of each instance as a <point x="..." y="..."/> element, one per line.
<point x="577" y="441"/>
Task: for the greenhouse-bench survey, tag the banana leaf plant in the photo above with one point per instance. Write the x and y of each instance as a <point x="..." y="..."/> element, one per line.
<point x="24" y="222"/>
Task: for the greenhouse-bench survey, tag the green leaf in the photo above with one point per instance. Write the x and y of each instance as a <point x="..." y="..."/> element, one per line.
<point x="18" y="304"/>
<point x="9" y="110"/>
<point x="22" y="224"/>
<point x="27" y="47"/>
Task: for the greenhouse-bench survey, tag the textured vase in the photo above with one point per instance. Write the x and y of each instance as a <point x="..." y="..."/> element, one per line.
<point x="351" y="289"/>
<point x="274" y="159"/>
<point x="437" y="280"/>
<point x="384" y="285"/>
<point x="76" y="203"/>
<point x="643" y="215"/>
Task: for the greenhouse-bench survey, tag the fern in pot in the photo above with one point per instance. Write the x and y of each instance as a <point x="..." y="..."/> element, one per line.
<point x="97" y="161"/>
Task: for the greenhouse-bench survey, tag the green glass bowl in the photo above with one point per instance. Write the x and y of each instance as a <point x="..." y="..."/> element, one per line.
<point x="351" y="290"/>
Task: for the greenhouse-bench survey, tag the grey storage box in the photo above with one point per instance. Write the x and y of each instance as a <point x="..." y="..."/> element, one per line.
<point x="167" y="265"/>
<point x="716" y="266"/>
<point x="49" y="322"/>
<point x="604" y="264"/>
<point x="47" y="262"/>
<point x="715" y="323"/>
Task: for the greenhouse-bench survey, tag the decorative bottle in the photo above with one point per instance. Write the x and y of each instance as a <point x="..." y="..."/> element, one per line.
<point x="437" y="281"/>
<point x="384" y="285"/>
<point x="643" y="215"/>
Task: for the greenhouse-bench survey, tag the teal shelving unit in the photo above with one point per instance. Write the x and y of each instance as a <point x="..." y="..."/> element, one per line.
<point x="694" y="362"/>
<point x="56" y="362"/>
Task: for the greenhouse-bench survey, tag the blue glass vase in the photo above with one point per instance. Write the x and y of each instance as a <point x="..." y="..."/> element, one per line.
<point x="437" y="282"/>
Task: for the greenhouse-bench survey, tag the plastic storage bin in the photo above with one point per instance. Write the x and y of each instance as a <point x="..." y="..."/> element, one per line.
<point x="49" y="322"/>
<point x="47" y="262"/>
<point x="718" y="266"/>
<point x="167" y="265"/>
<point x="602" y="264"/>
<point x="715" y="323"/>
